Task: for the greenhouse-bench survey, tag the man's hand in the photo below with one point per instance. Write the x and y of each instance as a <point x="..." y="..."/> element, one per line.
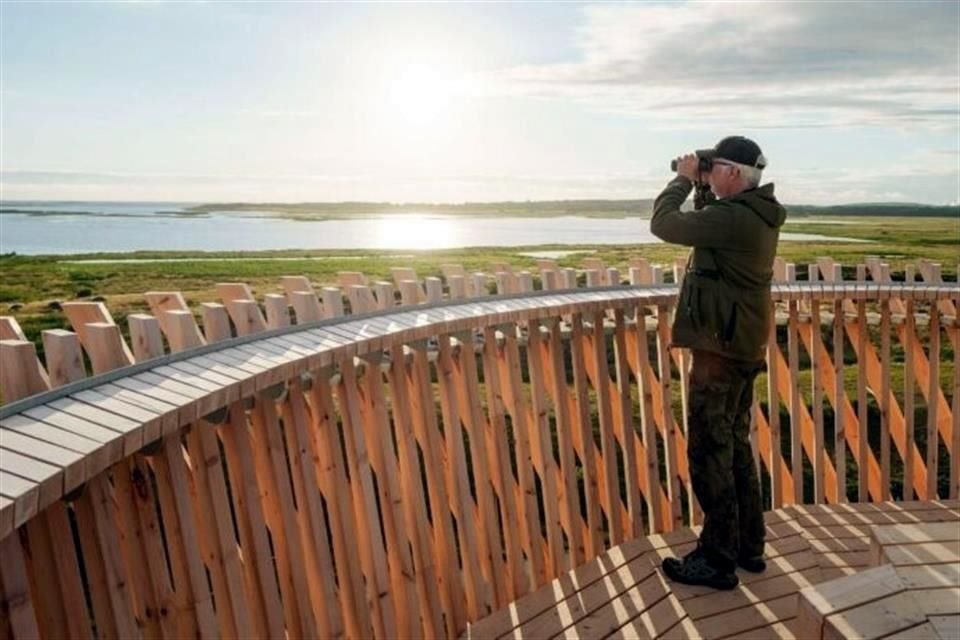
<point x="688" y="166"/>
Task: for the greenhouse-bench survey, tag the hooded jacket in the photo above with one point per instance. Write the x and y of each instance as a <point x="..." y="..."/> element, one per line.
<point x="724" y="304"/>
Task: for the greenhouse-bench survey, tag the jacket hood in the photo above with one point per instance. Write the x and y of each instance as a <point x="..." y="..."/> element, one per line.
<point x="762" y="202"/>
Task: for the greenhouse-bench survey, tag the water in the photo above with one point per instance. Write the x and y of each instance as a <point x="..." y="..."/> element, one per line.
<point x="88" y="227"/>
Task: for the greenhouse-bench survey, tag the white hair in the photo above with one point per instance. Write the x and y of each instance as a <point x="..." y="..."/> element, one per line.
<point x="751" y="175"/>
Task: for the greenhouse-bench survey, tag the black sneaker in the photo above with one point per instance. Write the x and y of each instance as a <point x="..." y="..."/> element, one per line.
<point x="695" y="569"/>
<point x="753" y="564"/>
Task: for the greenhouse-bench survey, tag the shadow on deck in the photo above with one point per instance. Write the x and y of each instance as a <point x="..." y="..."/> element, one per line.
<point x="623" y="593"/>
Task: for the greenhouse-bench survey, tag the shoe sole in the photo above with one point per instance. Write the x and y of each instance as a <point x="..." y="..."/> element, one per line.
<point x="720" y="586"/>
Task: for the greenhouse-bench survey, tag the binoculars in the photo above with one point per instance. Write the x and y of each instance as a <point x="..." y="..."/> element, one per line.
<point x="704" y="166"/>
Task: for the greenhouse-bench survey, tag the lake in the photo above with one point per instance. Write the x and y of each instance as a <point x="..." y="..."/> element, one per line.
<point x="65" y="228"/>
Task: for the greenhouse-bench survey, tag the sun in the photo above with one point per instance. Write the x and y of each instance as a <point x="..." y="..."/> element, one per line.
<point x="420" y="94"/>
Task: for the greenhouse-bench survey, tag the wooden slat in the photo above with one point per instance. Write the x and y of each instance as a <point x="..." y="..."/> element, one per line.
<point x="564" y="424"/>
<point x="513" y="499"/>
<point x="333" y="483"/>
<point x="793" y="400"/>
<point x="96" y="573"/>
<point x="583" y="434"/>
<point x="67" y="571"/>
<point x="465" y="381"/>
<point x="839" y="426"/>
<point x="908" y="400"/>
<point x="143" y="596"/>
<point x="669" y="428"/>
<point x="885" y="398"/>
<point x="414" y="505"/>
<point x="511" y="385"/>
<point x="602" y="384"/>
<point x="480" y="592"/>
<point x="116" y="573"/>
<point x="862" y="410"/>
<point x="371" y="549"/>
<point x="954" y="491"/>
<point x="216" y="544"/>
<point x="262" y="419"/>
<point x="263" y="592"/>
<point x="17" y="602"/>
<point x="819" y="445"/>
<point x="290" y="550"/>
<point x="933" y="404"/>
<point x="19" y="370"/>
<point x="379" y="444"/>
<point x="542" y="446"/>
<point x="186" y="558"/>
<point x="651" y="465"/>
<point x="778" y="496"/>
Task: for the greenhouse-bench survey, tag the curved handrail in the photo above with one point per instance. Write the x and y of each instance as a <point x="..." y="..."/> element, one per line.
<point x="318" y="344"/>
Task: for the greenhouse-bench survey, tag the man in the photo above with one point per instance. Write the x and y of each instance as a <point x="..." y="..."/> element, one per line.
<point x="723" y="317"/>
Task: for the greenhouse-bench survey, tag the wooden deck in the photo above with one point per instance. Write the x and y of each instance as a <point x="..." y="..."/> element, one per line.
<point x="623" y="593"/>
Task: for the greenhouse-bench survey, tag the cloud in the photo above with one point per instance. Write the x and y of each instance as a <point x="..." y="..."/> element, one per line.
<point x="806" y="64"/>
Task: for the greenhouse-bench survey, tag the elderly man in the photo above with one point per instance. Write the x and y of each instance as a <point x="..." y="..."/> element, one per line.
<point x="723" y="316"/>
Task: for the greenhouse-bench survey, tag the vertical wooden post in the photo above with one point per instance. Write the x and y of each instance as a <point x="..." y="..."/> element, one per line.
<point x="383" y="291"/>
<point x="431" y="595"/>
<point x="793" y="359"/>
<point x="561" y="393"/>
<point x="908" y="398"/>
<point x="441" y="501"/>
<point x="839" y="436"/>
<point x="372" y="554"/>
<point x="409" y="292"/>
<point x="332" y="302"/>
<point x="144" y="336"/>
<point x="955" y="451"/>
<point x="651" y="463"/>
<point x="607" y="447"/>
<point x="628" y="435"/>
<point x="816" y="386"/>
<point x="457" y="286"/>
<point x="773" y="408"/>
<point x="863" y="333"/>
<point x="885" y="399"/>
<point x="669" y="424"/>
<point x="584" y="427"/>
<point x="278" y="313"/>
<point x="933" y="395"/>
<point x="216" y="321"/>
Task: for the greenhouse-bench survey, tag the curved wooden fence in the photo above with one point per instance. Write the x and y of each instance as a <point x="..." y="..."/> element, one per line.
<point x="404" y="470"/>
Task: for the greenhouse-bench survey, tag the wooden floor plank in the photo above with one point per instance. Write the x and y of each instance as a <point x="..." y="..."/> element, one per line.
<point x="746" y="622"/>
<point x="611" y="616"/>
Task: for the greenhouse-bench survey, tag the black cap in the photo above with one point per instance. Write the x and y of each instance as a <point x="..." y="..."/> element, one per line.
<point x="740" y="150"/>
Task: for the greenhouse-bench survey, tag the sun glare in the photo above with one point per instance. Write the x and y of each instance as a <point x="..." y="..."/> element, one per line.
<point x="415" y="232"/>
<point x="420" y="94"/>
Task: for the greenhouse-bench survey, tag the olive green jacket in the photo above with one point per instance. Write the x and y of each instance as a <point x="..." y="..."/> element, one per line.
<point x="724" y="304"/>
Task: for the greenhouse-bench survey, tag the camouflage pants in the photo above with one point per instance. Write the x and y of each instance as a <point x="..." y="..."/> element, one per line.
<point x="721" y="462"/>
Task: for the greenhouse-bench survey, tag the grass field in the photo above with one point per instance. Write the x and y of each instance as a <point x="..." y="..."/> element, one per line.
<point x="30" y="284"/>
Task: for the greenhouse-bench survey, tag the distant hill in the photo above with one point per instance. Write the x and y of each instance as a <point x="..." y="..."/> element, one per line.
<point x="899" y="209"/>
<point x="535" y="208"/>
<point x="552" y="208"/>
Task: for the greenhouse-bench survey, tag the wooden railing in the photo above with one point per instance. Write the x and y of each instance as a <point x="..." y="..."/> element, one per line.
<point x="404" y="470"/>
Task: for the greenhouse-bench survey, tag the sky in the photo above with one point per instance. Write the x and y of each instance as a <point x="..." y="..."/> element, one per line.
<point x="443" y="102"/>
